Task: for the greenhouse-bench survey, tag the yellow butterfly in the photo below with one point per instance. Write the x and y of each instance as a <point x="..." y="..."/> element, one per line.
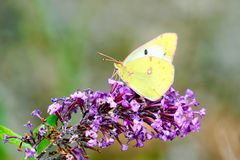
<point x="148" y="70"/>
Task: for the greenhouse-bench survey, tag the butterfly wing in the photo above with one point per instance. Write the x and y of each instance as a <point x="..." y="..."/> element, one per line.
<point x="150" y="77"/>
<point x="163" y="46"/>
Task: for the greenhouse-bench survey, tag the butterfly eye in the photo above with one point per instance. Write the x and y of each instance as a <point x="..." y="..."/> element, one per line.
<point x="145" y="52"/>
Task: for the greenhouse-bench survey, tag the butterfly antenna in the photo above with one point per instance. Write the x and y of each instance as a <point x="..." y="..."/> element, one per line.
<point x="108" y="58"/>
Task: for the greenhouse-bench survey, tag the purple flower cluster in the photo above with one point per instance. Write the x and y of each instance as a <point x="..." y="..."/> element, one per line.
<point x="107" y="115"/>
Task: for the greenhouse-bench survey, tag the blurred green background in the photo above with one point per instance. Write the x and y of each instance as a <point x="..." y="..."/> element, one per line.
<point x="48" y="49"/>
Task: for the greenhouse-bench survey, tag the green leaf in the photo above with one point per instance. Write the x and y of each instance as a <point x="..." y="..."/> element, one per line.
<point x="42" y="145"/>
<point x="52" y="120"/>
<point x="4" y="130"/>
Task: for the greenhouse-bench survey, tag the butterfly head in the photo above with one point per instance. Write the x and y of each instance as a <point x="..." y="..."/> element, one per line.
<point x="118" y="65"/>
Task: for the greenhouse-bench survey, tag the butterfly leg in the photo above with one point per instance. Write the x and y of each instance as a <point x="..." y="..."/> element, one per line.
<point x="114" y="73"/>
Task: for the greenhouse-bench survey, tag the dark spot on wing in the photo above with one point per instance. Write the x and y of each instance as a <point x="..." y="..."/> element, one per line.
<point x="145" y="52"/>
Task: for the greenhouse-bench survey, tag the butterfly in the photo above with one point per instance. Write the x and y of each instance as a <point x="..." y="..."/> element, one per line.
<point x="148" y="70"/>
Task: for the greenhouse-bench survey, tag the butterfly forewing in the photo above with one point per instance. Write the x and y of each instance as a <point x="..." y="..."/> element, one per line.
<point x="163" y="46"/>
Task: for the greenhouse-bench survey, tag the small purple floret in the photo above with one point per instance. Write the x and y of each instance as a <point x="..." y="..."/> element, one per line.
<point x="42" y="130"/>
<point x="78" y="94"/>
<point x="30" y="153"/>
<point x="5" y="139"/>
<point x="54" y="108"/>
<point x="124" y="147"/>
<point x="135" y="105"/>
<point x="36" y="113"/>
<point x="28" y="125"/>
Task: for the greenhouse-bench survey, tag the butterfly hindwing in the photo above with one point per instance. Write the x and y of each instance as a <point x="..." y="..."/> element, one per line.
<point x="150" y="77"/>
